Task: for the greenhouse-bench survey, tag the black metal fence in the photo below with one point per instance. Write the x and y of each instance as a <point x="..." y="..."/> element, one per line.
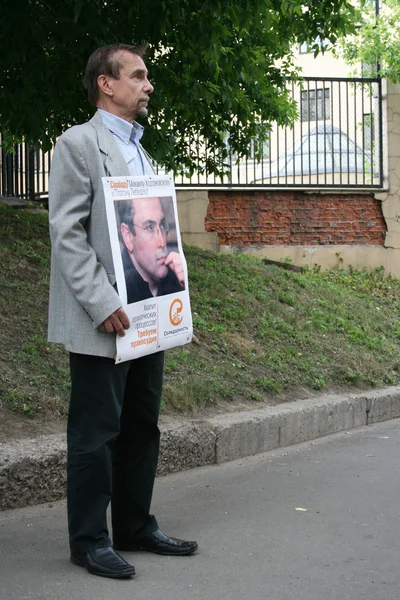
<point x="335" y="143"/>
<point x="24" y="172"/>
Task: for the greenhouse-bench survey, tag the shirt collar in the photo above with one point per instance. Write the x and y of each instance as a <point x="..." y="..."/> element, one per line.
<point x="126" y="131"/>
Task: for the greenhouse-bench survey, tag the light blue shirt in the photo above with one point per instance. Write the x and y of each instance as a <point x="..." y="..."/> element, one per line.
<point x="128" y="136"/>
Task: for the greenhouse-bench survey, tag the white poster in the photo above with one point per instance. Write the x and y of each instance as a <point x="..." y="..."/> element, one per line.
<point x="150" y="268"/>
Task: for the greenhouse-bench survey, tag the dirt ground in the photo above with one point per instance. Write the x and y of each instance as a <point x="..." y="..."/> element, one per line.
<point x="14" y="426"/>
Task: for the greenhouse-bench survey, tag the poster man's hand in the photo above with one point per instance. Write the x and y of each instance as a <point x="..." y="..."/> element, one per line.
<point x="116" y="323"/>
<point x="174" y="262"/>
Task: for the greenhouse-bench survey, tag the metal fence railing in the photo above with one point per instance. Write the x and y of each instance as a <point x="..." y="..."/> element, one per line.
<point x="24" y="172"/>
<point x="336" y="142"/>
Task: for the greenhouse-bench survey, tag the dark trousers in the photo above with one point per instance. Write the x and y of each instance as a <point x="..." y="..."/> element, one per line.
<point x="113" y="441"/>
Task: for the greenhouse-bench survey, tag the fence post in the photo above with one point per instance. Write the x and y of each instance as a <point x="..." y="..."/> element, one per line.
<point x="30" y="174"/>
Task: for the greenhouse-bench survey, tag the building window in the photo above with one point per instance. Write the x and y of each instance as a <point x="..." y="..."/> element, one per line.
<point x="368" y="70"/>
<point x="315" y="105"/>
<point x="368" y="131"/>
<point x="303" y="48"/>
<point x="306" y="48"/>
<point x="256" y="145"/>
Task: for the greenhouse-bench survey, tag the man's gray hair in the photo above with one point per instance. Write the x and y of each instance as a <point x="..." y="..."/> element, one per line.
<point x="106" y="61"/>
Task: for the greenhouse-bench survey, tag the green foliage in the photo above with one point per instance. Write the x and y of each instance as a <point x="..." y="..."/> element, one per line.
<point x="377" y="40"/>
<point x="219" y="68"/>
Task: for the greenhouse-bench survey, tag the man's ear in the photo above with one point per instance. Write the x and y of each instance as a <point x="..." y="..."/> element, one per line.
<point x="103" y="81"/>
<point x="128" y="237"/>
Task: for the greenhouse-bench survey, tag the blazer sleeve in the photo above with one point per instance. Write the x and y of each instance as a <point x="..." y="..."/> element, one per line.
<point x="70" y="201"/>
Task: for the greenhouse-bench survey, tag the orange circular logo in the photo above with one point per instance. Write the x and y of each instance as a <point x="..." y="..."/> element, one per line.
<point x="175" y="312"/>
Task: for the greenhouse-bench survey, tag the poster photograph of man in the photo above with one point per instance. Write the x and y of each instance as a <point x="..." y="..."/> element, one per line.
<point x="152" y="263"/>
<point x="149" y="264"/>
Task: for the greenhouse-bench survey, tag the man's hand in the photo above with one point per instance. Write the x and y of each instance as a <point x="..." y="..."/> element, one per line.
<point x="174" y="262"/>
<point x="116" y="323"/>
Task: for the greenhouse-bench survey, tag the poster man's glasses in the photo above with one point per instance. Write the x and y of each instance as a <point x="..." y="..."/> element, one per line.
<point x="153" y="230"/>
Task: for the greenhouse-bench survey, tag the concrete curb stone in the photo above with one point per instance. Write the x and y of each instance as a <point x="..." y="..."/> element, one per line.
<point x="383" y="405"/>
<point x="185" y="446"/>
<point x="33" y="471"/>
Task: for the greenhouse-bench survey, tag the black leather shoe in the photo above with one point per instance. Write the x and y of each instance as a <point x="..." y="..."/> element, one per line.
<point x="104" y="562"/>
<point x="159" y="543"/>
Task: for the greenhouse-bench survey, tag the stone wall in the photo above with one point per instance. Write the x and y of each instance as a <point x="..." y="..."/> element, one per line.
<point x="391" y="198"/>
<point x="192" y="210"/>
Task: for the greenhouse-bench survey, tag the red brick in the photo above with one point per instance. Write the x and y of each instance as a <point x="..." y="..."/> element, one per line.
<point x="294" y="218"/>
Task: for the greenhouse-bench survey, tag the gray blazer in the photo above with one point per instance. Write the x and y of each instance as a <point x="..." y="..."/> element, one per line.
<point x="82" y="276"/>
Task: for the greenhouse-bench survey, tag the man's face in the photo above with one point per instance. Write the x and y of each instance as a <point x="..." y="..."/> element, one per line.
<point x="130" y="93"/>
<point x="148" y="246"/>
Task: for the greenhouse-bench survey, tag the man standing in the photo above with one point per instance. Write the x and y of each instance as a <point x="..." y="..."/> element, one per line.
<point x="149" y="269"/>
<point x="112" y="433"/>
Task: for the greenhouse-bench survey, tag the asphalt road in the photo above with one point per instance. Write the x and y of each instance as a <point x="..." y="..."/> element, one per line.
<point x="255" y="543"/>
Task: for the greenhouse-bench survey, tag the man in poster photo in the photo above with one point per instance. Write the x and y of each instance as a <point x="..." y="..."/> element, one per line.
<point x="150" y="269"/>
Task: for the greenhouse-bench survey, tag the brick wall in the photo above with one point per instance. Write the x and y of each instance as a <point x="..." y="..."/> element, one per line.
<point x="291" y="218"/>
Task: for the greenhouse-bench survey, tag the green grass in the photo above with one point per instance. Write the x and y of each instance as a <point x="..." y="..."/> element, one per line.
<point x="262" y="334"/>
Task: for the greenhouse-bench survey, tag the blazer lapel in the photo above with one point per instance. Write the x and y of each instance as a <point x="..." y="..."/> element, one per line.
<point x="114" y="163"/>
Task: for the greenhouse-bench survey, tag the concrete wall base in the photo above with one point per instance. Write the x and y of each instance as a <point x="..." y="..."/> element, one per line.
<point x="34" y="471"/>
<point x="327" y="257"/>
